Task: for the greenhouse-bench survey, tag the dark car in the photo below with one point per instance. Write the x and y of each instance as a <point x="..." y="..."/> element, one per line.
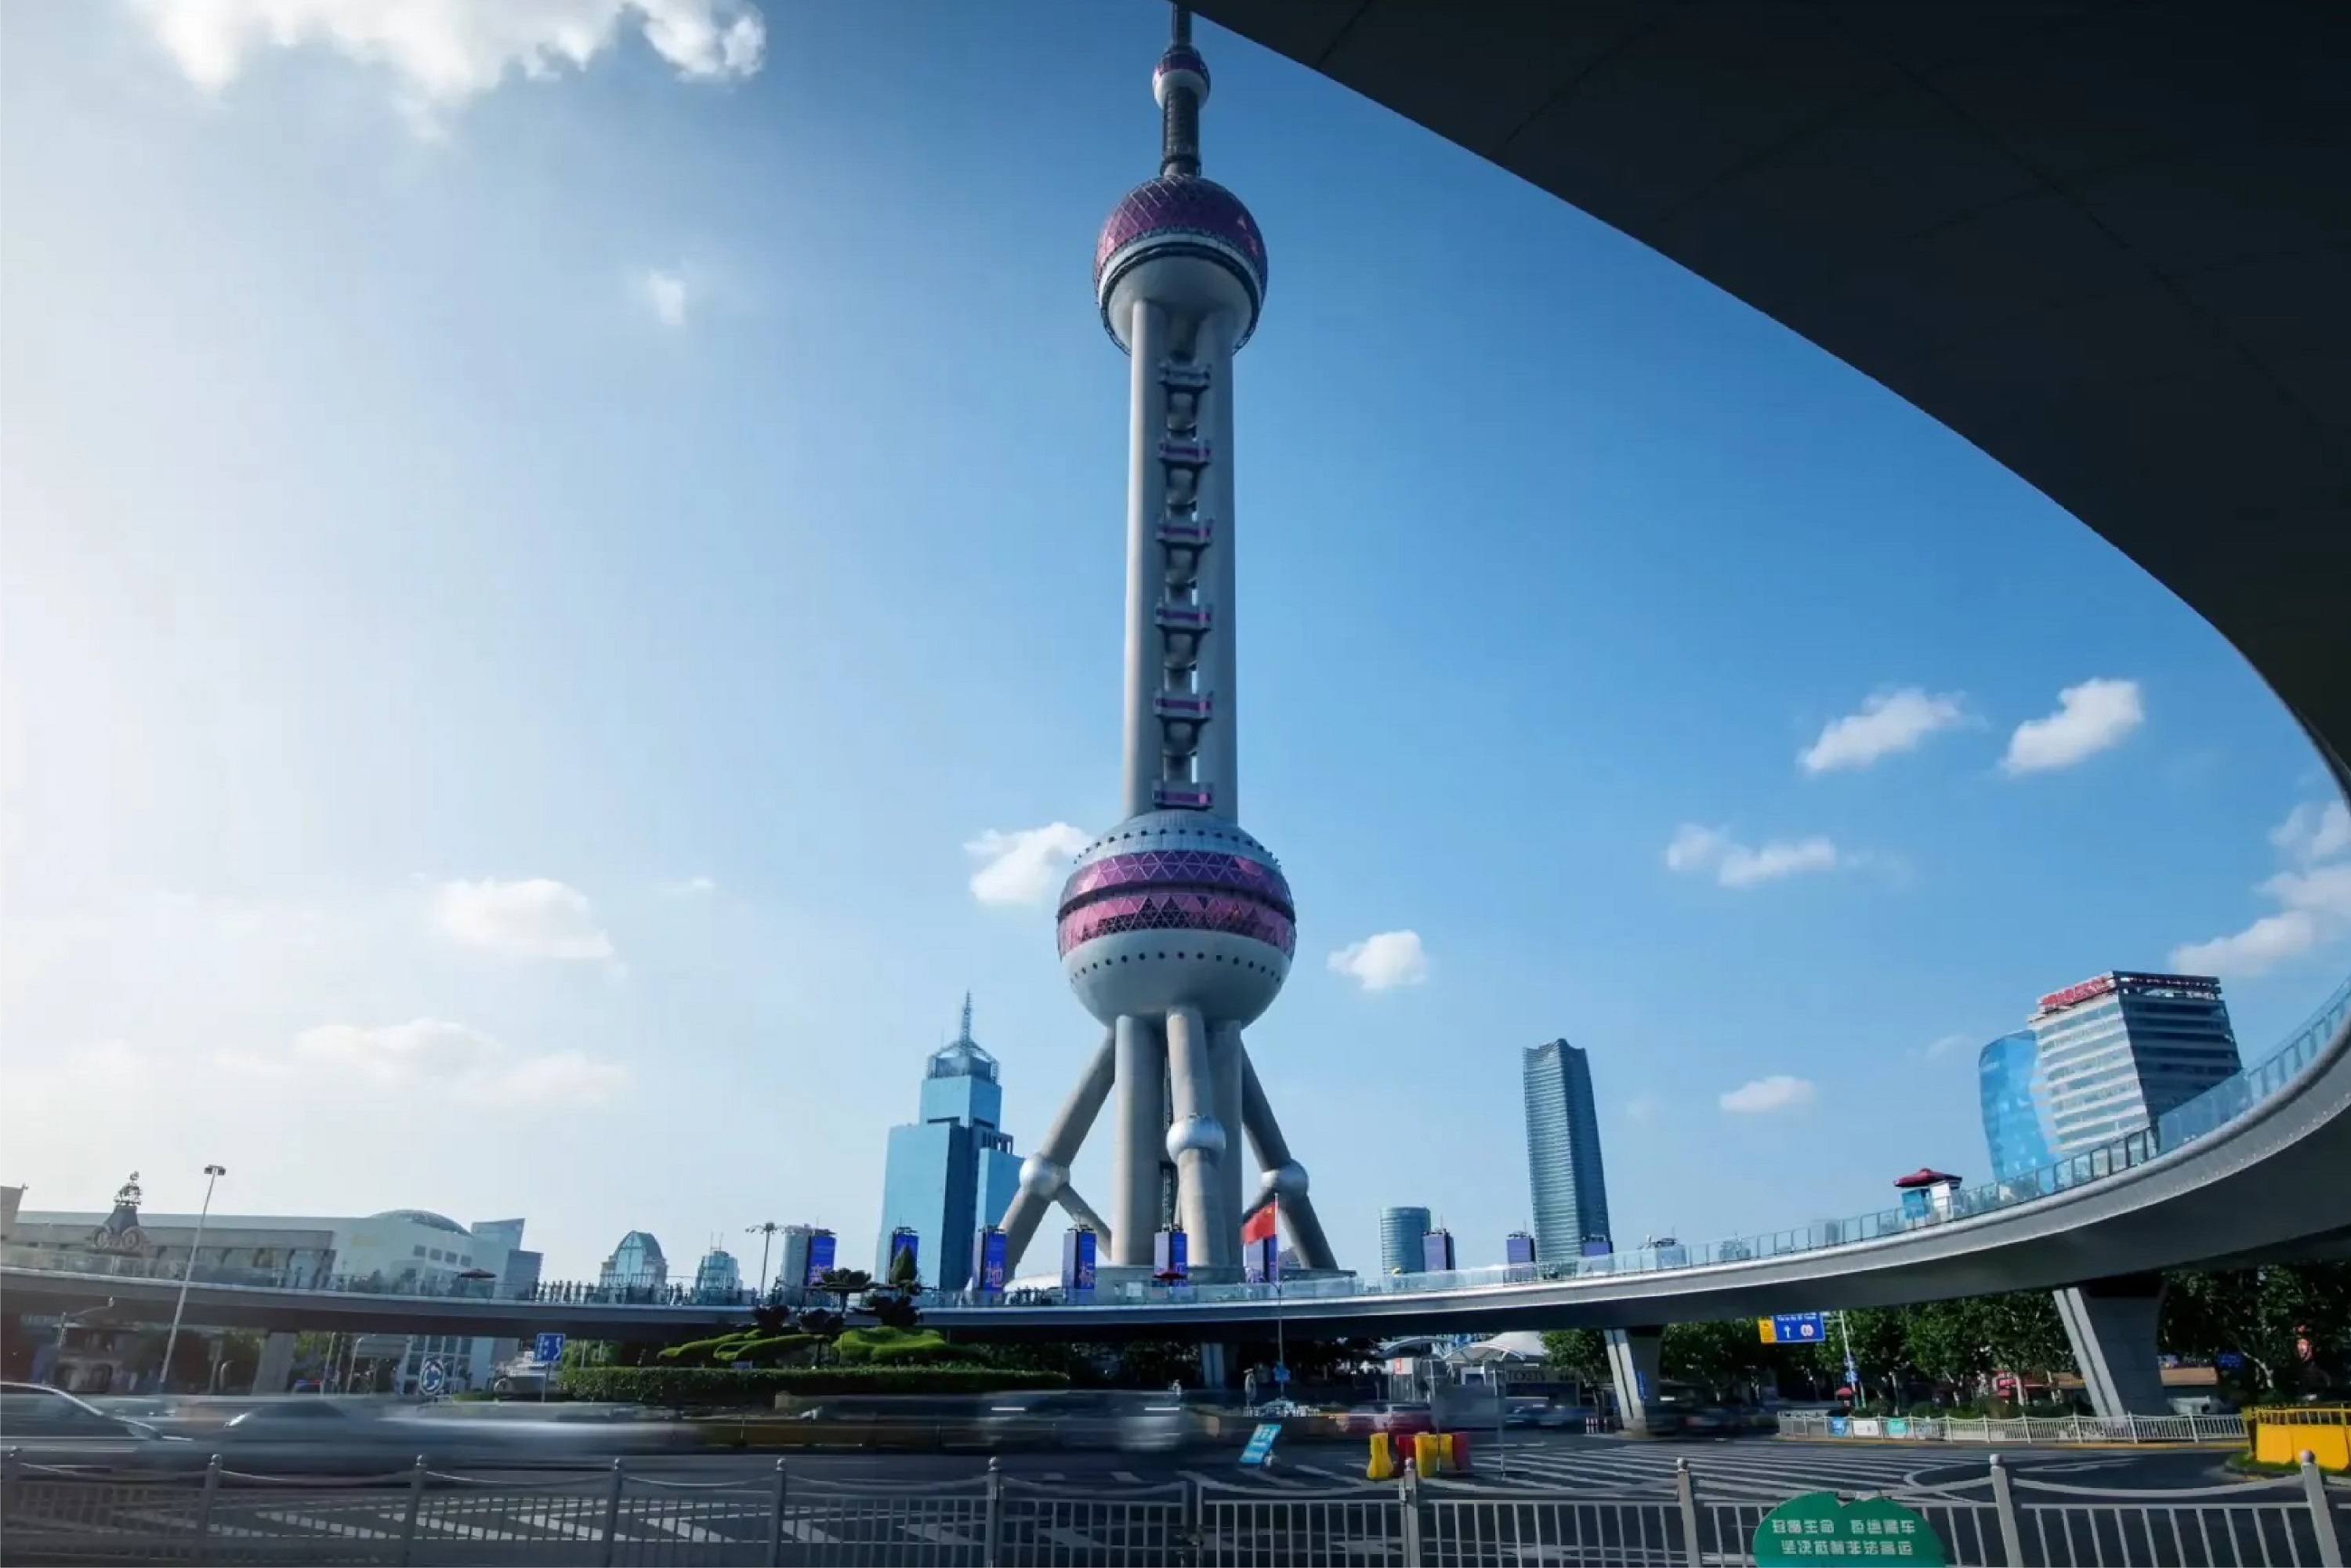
<point x="50" y="1427"/>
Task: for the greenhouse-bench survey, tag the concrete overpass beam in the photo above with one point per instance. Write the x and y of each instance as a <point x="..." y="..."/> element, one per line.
<point x="274" y="1371"/>
<point x="2111" y="1324"/>
<point x="1633" y="1361"/>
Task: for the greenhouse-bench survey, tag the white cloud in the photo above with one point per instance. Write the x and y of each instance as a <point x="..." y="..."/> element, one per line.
<point x="2090" y="717"/>
<point x="2317" y="910"/>
<point x="666" y="293"/>
<point x="443" y="52"/>
<point x="1024" y="865"/>
<point x="538" y="918"/>
<point x="2314" y="831"/>
<point x="443" y="1056"/>
<point x="1943" y="1045"/>
<point x="1696" y="849"/>
<point x="1778" y="1093"/>
<point x="1383" y="962"/>
<point x="1644" y="1108"/>
<point x="1889" y="722"/>
<point x="688" y="887"/>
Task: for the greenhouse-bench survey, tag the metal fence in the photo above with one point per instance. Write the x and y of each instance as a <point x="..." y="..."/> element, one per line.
<point x="424" y="1516"/>
<point x="2017" y="1429"/>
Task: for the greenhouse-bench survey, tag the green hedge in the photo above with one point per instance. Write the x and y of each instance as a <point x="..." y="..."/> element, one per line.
<point x="895" y="1347"/>
<point x="718" y="1385"/>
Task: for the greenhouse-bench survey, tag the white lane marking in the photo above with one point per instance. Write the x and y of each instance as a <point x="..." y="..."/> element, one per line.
<point x="1124" y="1478"/>
<point x="938" y="1534"/>
<point x="546" y="1519"/>
<point x="1328" y="1474"/>
<point x="1075" y="1540"/>
<point x="1051" y="1476"/>
<point x="800" y="1529"/>
<point x="330" y="1526"/>
<point x="679" y="1527"/>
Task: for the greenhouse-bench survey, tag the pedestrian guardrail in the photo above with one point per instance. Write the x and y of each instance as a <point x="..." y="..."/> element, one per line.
<point x="422" y="1516"/>
<point x="2017" y="1429"/>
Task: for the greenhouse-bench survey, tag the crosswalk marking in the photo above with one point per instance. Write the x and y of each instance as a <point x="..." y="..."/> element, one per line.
<point x="938" y="1534"/>
<point x="808" y="1535"/>
<point x="546" y="1519"/>
<point x="1328" y="1474"/>
<point x="332" y="1526"/>
<point x="1124" y="1478"/>
<point x="1075" y="1540"/>
<point x="679" y="1527"/>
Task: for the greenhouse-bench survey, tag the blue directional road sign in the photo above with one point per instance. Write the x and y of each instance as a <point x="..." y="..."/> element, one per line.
<point x="1259" y="1451"/>
<point x="547" y="1349"/>
<point x="434" y="1378"/>
<point x="1797" y="1328"/>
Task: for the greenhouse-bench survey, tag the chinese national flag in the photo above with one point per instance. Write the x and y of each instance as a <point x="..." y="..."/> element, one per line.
<point x="1262" y="1226"/>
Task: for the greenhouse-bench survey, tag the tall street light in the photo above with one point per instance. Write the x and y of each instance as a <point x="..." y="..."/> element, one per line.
<point x="766" y="1230"/>
<point x="212" y="1174"/>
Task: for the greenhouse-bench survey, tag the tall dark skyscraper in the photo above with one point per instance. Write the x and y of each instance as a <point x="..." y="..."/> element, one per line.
<point x="1563" y="1165"/>
<point x="952" y="1172"/>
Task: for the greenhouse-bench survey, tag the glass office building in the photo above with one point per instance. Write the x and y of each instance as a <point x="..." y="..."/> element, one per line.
<point x="2120" y="1049"/>
<point x="636" y="1264"/>
<point x="2015" y="1110"/>
<point x="953" y="1173"/>
<point x="1400" y="1231"/>
<point x="1563" y="1165"/>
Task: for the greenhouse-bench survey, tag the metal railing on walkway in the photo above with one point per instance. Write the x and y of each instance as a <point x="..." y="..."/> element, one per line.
<point x="2017" y="1429"/>
<point x="421" y="1516"/>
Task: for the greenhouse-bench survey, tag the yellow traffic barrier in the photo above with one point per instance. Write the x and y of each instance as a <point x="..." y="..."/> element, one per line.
<point x="1427" y="1448"/>
<point x="1383" y="1464"/>
<point x="2279" y="1435"/>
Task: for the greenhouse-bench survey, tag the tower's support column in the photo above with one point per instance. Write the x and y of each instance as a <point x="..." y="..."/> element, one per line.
<point x="1134" y="1162"/>
<point x="1634" y="1358"/>
<point x="2111" y="1324"/>
<point x="1224" y="1070"/>
<point x="1219" y="753"/>
<point x="1194" y="1141"/>
<point x="1146" y="499"/>
<point x="276" y="1369"/>
<point x="1216" y="1366"/>
<point x="1282" y="1173"/>
<point x="1045" y="1174"/>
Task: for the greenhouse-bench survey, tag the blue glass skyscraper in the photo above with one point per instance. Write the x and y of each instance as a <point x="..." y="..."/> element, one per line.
<point x="1564" y="1166"/>
<point x="952" y="1173"/>
<point x="2015" y="1108"/>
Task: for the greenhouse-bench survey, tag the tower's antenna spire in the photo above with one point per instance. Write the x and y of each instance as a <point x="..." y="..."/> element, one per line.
<point x="965" y="1036"/>
<point x="1181" y="85"/>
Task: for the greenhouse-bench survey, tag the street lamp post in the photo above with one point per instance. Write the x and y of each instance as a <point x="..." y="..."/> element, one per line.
<point x="766" y="1230"/>
<point x="187" y="1275"/>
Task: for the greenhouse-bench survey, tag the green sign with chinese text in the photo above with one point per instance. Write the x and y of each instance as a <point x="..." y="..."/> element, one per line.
<point x="1816" y="1528"/>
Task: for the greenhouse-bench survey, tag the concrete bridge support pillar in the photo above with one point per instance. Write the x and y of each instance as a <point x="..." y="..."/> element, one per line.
<point x="1632" y="1363"/>
<point x="1215" y="1366"/>
<point x="2111" y="1325"/>
<point x="276" y="1369"/>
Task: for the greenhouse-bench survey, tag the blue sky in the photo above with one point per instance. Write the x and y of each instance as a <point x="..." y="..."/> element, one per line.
<point x="525" y="587"/>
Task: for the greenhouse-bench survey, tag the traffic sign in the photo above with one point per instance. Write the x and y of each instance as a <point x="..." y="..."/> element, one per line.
<point x="547" y="1349"/>
<point x="435" y="1379"/>
<point x="1792" y="1328"/>
<point x="2229" y="1360"/>
<point x="1815" y="1527"/>
<point x="1260" y="1452"/>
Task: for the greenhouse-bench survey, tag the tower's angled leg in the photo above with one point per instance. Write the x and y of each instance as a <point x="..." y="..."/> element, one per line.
<point x="1080" y="1211"/>
<point x="1195" y="1139"/>
<point x="1045" y="1173"/>
<point x="1282" y="1174"/>
<point x="1134" y="1163"/>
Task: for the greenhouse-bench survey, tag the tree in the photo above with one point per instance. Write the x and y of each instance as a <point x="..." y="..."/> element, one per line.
<point x="2264" y="1315"/>
<point x="905" y="1274"/>
<point x="842" y="1283"/>
<point x="1580" y="1353"/>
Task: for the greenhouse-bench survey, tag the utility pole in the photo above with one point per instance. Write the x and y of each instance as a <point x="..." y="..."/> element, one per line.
<point x="212" y="1174"/>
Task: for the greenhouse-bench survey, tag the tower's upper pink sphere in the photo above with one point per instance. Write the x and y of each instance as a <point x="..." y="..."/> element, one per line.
<point x="1182" y="214"/>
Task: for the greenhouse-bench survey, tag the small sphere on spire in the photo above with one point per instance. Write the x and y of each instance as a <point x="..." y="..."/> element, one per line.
<point x="1181" y="66"/>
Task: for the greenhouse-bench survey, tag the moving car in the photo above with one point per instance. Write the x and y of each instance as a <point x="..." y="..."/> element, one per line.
<point x="1390" y="1416"/>
<point x="49" y="1426"/>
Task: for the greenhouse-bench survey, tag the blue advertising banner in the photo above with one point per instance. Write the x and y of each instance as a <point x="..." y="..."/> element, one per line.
<point x="1171" y="1256"/>
<point x="1078" y="1249"/>
<point x="1261" y="1261"/>
<point x="820" y="1254"/>
<point x="1518" y="1247"/>
<point x="989" y="1265"/>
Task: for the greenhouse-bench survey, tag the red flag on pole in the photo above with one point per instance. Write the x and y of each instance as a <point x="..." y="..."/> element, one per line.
<point x="1262" y="1226"/>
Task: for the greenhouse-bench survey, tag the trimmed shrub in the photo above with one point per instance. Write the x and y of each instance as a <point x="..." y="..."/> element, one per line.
<point x="724" y="1387"/>
<point x="893" y="1347"/>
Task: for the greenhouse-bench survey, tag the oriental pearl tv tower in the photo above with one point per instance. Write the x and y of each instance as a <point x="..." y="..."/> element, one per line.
<point x="1176" y="927"/>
